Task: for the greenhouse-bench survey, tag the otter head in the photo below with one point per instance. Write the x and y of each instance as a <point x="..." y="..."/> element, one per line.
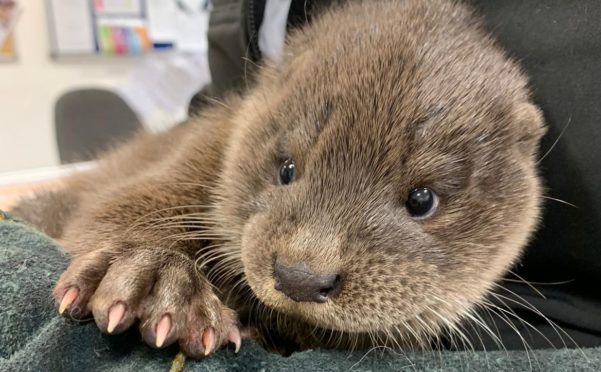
<point x="382" y="177"/>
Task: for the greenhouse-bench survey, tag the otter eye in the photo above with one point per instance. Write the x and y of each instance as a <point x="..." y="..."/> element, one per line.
<point x="422" y="203"/>
<point x="287" y="172"/>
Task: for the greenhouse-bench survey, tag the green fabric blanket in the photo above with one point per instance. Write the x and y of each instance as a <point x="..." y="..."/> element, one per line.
<point x="33" y="337"/>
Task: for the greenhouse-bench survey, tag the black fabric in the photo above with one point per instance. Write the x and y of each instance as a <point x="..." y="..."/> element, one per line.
<point x="227" y="47"/>
<point x="301" y="11"/>
<point x="252" y="12"/>
<point x="558" y="43"/>
<point x="234" y="42"/>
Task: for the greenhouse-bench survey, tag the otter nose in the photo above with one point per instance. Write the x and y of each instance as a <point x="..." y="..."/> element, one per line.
<point x="301" y="284"/>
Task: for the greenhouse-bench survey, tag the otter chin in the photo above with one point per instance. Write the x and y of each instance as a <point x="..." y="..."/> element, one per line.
<point x="369" y="189"/>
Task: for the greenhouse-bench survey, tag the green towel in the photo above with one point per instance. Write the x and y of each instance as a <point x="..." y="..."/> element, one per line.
<point x="33" y="337"/>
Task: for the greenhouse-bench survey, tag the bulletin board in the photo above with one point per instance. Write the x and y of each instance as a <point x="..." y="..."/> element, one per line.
<point x="126" y="27"/>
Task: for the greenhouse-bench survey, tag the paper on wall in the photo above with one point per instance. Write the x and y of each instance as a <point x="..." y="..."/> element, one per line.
<point x="74" y="33"/>
<point x="161" y="86"/>
<point x="161" y="20"/>
<point x="192" y="18"/>
<point x="184" y="23"/>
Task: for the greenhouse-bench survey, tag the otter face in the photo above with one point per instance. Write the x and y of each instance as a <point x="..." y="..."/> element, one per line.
<point x="379" y="189"/>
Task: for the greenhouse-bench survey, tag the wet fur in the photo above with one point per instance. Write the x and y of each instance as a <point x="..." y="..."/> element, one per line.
<point x="373" y="99"/>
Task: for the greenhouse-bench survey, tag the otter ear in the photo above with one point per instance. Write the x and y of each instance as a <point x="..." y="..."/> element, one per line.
<point x="529" y="121"/>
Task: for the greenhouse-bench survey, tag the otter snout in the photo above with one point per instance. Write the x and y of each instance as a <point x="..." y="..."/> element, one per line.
<point x="301" y="284"/>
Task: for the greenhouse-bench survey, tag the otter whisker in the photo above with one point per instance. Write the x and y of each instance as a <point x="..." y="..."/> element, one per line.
<point x="527" y="283"/>
<point x="558" y="330"/>
<point x="527" y="348"/>
<point x="194" y="222"/>
<point x="206" y="215"/>
<point x="161" y="210"/>
<point x="532" y="308"/>
<point x="559" y="201"/>
<point x="454" y="327"/>
<point x="540" y="283"/>
<point x="476" y="323"/>
<point x="197" y="217"/>
<point x="486" y="308"/>
<point x="225" y="268"/>
<point x="396" y="338"/>
<point x="228" y="273"/>
<point x="513" y="314"/>
<point x="239" y="285"/>
<point x="477" y="319"/>
<point x="556" y="141"/>
<point x="186" y="232"/>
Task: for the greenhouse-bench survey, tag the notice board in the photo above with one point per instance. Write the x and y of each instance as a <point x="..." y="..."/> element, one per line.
<point x="126" y="27"/>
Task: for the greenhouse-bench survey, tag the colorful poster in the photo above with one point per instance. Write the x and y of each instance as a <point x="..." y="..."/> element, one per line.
<point x="122" y="36"/>
<point x="9" y="12"/>
<point x="121" y="27"/>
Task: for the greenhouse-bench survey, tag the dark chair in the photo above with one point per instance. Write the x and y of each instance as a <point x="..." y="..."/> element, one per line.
<point x="89" y="121"/>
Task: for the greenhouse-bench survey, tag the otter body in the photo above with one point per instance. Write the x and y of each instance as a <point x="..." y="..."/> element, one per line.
<point x="367" y="190"/>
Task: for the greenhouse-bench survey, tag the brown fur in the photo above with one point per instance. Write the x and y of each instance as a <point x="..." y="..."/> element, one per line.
<point x="372" y="100"/>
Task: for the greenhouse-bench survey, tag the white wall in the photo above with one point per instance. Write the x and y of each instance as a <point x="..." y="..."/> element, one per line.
<point x="30" y="87"/>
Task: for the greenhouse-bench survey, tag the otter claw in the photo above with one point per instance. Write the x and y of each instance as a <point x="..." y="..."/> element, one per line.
<point x="68" y="299"/>
<point x="208" y="340"/>
<point x="162" y="330"/>
<point x="235" y="338"/>
<point x="116" y="313"/>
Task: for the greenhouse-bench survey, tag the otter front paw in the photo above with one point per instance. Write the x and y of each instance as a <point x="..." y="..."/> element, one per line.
<point x="160" y="289"/>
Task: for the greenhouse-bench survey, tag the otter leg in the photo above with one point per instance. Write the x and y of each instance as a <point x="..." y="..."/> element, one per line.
<point x="49" y="211"/>
<point x="132" y="261"/>
<point x="134" y="245"/>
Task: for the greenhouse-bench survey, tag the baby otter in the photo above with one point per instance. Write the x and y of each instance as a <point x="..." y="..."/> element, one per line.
<point x="369" y="189"/>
